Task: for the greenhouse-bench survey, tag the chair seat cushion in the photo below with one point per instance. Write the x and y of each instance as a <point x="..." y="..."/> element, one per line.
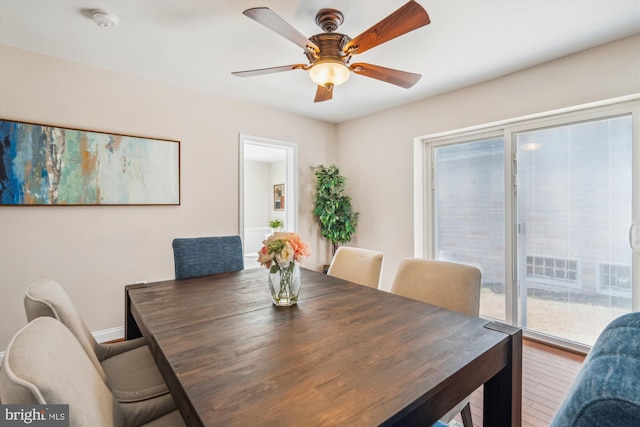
<point x="107" y="350"/>
<point x="145" y="411"/>
<point x="172" y="419"/>
<point x="133" y="376"/>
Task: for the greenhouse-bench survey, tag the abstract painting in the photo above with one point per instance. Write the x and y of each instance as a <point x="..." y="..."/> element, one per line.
<point x="48" y="166"/>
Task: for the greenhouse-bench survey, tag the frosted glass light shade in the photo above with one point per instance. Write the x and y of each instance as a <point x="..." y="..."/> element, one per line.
<point x="329" y="72"/>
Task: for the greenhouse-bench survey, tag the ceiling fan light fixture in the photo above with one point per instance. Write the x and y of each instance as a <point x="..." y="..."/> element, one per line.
<point x="329" y="73"/>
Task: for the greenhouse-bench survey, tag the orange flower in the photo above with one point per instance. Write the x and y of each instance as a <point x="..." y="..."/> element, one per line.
<point x="265" y="258"/>
<point x="300" y="248"/>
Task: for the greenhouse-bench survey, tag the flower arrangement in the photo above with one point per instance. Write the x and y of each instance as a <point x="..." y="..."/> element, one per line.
<point x="281" y="253"/>
<point x="282" y="248"/>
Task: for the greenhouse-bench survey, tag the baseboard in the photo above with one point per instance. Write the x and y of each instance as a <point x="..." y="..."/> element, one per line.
<point x="109" y="334"/>
<point x="100" y="336"/>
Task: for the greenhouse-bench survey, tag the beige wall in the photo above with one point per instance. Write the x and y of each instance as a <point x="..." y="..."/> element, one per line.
<point x="376" y="152"/>
<point x="94" y="251"/>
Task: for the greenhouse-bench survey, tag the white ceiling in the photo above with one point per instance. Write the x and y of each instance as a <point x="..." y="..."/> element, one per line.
<point x="198" y="43"/>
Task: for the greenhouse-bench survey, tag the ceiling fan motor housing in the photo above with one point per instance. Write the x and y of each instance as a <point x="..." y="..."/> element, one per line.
<point x="330" y="45"/>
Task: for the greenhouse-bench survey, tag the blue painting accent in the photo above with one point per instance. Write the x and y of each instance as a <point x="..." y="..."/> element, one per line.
<point x="10" y="189"/>
<point x="46" y="165"/>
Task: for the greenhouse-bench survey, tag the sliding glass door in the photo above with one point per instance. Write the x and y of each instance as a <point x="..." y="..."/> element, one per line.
<point x="574" y="193"/>
<point x="545" y="208"/>
<point x="469" y="213"/>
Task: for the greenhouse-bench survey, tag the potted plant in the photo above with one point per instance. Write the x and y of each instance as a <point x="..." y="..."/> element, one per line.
<point x="333" y="209"/>
<point x="275" y="225"/>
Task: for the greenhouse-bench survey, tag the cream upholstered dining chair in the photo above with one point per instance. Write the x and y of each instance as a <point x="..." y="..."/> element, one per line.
<point x="45" y="364"/>
<point x="361" y="266"/>
<point x="201" y="256"/>
<point x="449" y="285"/>
<point x="128" y="367"/>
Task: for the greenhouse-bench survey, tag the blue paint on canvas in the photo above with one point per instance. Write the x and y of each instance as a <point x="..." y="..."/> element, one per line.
<point x="44" y="165"/>
<point x="10" y="188"/>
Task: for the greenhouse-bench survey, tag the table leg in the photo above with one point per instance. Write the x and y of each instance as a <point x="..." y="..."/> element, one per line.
<point x="131" y="329"/>
<point x="503" y="392"/>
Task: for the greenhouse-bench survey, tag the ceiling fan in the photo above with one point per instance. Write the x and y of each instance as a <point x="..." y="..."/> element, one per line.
<point x="329" y="53"/>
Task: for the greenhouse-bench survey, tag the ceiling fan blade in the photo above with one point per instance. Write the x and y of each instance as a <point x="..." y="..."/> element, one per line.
<point x="406" y="19"/>
<point x="268" y="18"/>
<point x="261" y="71"/>
<point x="323" y="93"/>
<point x="389" y="75"/>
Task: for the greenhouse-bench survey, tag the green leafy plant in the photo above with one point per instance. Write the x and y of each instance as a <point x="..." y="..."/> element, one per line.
<point x="275" y="224"/>
<point x="337" y="219"/>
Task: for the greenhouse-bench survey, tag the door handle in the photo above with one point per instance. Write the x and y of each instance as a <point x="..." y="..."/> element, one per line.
<point x="634" y="237"/>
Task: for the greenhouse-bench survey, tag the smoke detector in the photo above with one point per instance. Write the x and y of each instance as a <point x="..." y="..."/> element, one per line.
<point x="103" y="18"/>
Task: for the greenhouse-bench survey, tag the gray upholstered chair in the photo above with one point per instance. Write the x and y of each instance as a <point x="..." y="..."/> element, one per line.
<point x="445" y="284"/>
<point x="45" y="364"/>
<point x="128" y="367"/>
<point x="606" y="392"/>
<point x="361" y="266"/>
<point x="201" y="256"/>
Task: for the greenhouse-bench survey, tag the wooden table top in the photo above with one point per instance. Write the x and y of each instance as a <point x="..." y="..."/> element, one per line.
<point x="344" y="355"/>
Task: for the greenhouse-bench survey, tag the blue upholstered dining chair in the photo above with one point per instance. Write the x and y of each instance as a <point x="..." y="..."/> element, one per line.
<point x="606" y="391"/>
<point x="201" y="256"/>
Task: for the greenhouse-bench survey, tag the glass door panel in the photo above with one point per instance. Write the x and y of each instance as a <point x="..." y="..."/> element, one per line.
<point x="574" y="209"/>
<point x="468" y="196"/>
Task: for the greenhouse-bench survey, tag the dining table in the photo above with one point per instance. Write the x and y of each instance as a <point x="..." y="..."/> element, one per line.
<point x="344" y="355"/>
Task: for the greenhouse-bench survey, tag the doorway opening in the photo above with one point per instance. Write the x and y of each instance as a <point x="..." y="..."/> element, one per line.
<point x="268" y="192"/>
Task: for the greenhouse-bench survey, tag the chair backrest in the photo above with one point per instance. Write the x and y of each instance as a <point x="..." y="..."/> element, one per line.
<point x="201" y="256"/>
<point x="46" y="297"/>
<point x="44" y="364"/>
<point x="357" y="265"/>
<point x="446" y="284"/>
<point x="605" y="392"/>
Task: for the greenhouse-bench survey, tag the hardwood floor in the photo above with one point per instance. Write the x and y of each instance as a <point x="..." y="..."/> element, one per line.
<point x="547" y="374"/>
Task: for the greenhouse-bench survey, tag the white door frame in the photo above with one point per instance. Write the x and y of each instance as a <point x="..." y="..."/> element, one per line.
<point x="291" y="182"/>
